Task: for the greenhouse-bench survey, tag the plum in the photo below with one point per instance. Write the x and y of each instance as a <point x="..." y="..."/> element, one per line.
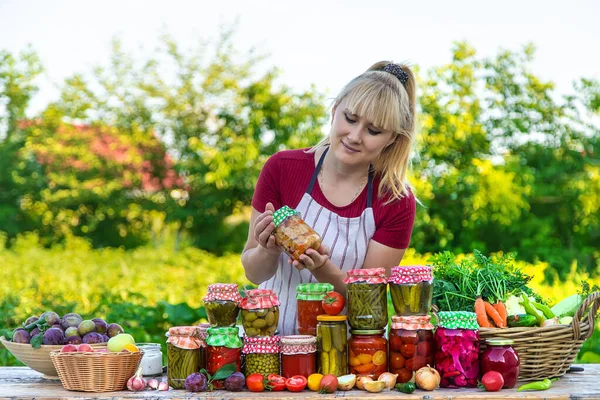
<point x="101" y="325"/>
<point x="58" y="326"/>
<point x="235" y="382"/>
<point x="196" y="382"/>
<point x="51" y="317"/>
<point x="92" y="338"/>
<point x="71" y="319"/>
<point x="105" y="338"/>
<point x="31" y="320"/>
<point x="71" y="331"/>
<point x="86" y="326"/>
<point x="54" y="336"/>
<point x="21" y="336"/>
<point x="34" y="332"/>
<point x="73" y="340"/>
<point x="114" y="329"/>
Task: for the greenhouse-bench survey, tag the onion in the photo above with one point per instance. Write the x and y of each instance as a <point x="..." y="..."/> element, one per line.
<point x="550" y="322"/>
<point x="361" y="379"/>
<point x="389" y="379"/>
<point x="427" y="378"/>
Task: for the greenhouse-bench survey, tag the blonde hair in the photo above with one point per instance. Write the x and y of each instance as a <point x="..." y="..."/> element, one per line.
<point x="389" y="104"/>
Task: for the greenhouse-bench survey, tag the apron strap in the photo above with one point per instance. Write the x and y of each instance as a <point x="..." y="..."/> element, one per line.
<point x="370" y="187"/>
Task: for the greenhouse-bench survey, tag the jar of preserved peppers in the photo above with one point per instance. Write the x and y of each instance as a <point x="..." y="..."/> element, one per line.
<point x="367" y="298"/>
<point x="500" y="356"/>
<point x="261" y="354"/>
<point x="457" y="349"/>
<point x="223" y="346"/>
<point x="367" y="351"/>
<point x="260" y="312"/>
<point x="309" y="297"/>
<point x="411" y="345"/>
<point x="298" y="355"/>
<point x="292" y="234"/>
<point x="222" y="304"/>
<point x="332" y="344"/>
<point x="184" y="354"/>
<point x="411" y="289"/>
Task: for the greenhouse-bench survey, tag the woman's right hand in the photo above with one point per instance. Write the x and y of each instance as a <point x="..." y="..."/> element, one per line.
<point x="262" y="230"/>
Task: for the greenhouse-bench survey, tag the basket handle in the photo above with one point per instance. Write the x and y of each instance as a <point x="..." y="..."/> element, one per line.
<point x="591" y="303"/>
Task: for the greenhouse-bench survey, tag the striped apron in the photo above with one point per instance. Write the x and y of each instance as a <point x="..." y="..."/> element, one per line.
<point x="347" y="238"/>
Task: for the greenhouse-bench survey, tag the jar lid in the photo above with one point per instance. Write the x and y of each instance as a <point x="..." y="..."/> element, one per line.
<point x="499" y="341"/>
<point x="223" y="291"/>
<point x="412" y="322"/>
<point x="458" y="320"/>
<point x="313" y="291"/>
<point x="367" y="275"/>
<point x="280" y="215"/>
<point x="367" y="331"/>
<point x="298" y="344"/>
<point x="411" y="274"/>
<point x="259" y="298"/>
<point x="185" y="337"/>
<point x="261" y="344"/>
<point x="228" y="336"/>
<point x="330" y="318"/>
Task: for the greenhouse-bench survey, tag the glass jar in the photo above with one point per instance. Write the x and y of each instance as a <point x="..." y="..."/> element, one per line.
<point x="152" y="360"/>
<point x="298" y="355"/>
<point x="411" y="289"/>
<point x="367" y="298"/>
<point x="292" y="234"/>
<point x="457" y="349"/>
<point x="221" y="304"/>
<point x="184" y="354"/>
<point x="261" y="355"/>
<point x="223" y="346"/>
<point x="260" y="312"/>
<point x="500" y="356"/>
<point x="411" y="345"/>
<point x="332" y="343"/>
<point x="309" y="298"/>
<point x="367" y="351"/>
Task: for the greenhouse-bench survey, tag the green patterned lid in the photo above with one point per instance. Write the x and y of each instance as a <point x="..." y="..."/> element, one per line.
<point x="457" y="320"/>
<point x="280" y="215"/>
<point x="313" y="291"/>
<point x="228" y="336"/>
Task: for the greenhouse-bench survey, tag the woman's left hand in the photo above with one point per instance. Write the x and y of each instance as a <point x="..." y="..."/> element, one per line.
<point x="312" y="259"/>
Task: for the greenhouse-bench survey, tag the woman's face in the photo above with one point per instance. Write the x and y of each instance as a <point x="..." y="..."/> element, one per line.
<point x="355" y="140"/>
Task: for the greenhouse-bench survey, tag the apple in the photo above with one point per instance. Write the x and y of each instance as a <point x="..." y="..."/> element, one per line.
<point x="69" y="348"/>
<point x="85" y="348"/>
<point x="118" y="342"/>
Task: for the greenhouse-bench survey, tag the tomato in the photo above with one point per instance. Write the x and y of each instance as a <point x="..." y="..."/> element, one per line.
<point x="277" y="382"/>
<point x="414" y="363"/>
<point x="333" y="303"/>
<point x="296" y="383"/>
<point x="404" y="375"/>
<point x="397" y="360"/>
<point x="492" y="381"/>
<point x="407" y="350"/>
<point x="424" y="348"/>
<point x="329" y="383"/>
<point x="255" y="382"/>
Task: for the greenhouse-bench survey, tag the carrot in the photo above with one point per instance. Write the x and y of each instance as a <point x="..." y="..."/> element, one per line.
<point x="482" y="318"/>
<point x="494" y="315"/>
<point x="501" y="308"/>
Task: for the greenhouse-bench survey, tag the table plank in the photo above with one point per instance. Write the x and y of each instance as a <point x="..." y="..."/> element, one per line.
<point x="24" y="383"/>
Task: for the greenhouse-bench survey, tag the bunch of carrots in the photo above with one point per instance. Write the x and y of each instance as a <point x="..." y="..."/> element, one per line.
<point x="490" y="315"/>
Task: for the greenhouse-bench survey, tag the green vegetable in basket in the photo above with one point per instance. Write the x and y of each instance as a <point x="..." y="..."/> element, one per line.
<point x="567" y="306"/>
<point x="531" y="310"/>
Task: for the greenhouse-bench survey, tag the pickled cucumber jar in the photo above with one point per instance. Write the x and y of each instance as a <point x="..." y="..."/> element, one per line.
<point x="260" y="312"/>
<point x="184" y="355"/>
<point x="261" y="355"/>
<point x="367" y="298"/>
<point x="332" y="345"/>
<point x="411" y="289"/>
<point x="309" y="297"/>
<point x="222" y="304"/>
<point x="292" y="234"/>
<point x="411" y="345"/>
<point x="223" y="346"/>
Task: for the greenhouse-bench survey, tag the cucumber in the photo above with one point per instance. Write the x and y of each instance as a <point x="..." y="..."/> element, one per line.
<point x="521" y="320"/>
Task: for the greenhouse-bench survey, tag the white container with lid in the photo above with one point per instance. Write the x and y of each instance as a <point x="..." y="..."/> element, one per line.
<point x="152" y="360"/>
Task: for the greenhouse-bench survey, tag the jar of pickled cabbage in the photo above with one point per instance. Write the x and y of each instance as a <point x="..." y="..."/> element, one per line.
<point x="366" y="290"/>
<point x="261" y="355"/>
<point x="222" y="304"/>
<point x="457" y="349"/>
<point x="411" y="345"/>
<point x="411" y="289"/>
<point x="292" y="234"/>
<point x="332" y="344"/>
<point x="184" y="354"/>
<point x="500" y="356"/>
<point x="368" y="352"/>
<point x="309" y="297"/>
<point x="298" y="355"/>
<point x="223" y="346"/>
<point x="260" y="312"/>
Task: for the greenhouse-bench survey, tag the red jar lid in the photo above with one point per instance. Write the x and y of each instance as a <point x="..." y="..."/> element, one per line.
<point x="259" y="298"/>
<point x="368" y="275"/>
<point x="298" y="344"/>
<point x="223" y="291"/>
<point x="412" y="322"/>
<point x="410" y="274"/>
<point x="261" y="344"/>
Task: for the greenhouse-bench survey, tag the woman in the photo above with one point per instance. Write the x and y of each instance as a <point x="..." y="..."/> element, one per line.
<point x="351" y="188"/>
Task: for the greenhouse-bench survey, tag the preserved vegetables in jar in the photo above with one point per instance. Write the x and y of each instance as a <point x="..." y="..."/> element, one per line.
<point x="309" y="298"/>
<point x="222" y="304"/>
<point x="298" y="355"/>
<point x="332" y="345"/>
<point x="411" y="289"/>
<point x="367" y="351"/>
<point x="260" y="312"/>
<point x="367" y="298"/>
<point x="500" y="356"/>
<point x="261" y="355"/>
<point x="457" y="349"/>
<point x="184" y="355"/>
<point x="411" y="345"/>
<point x="223" y="346"/>
<point x="292" y="234"/>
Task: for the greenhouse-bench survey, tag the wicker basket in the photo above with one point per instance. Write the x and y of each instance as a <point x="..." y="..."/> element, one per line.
<point x="95" y="372"/>
<point x="548" y="352"/>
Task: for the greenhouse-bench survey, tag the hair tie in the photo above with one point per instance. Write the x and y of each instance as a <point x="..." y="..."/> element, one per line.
<point x="397" y="71"/>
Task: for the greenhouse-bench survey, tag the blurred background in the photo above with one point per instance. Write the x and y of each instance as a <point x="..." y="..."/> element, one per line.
<point x="132" y="134"/>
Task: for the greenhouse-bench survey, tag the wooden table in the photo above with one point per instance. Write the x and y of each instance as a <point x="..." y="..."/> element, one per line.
<point x="24" y="383"/>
